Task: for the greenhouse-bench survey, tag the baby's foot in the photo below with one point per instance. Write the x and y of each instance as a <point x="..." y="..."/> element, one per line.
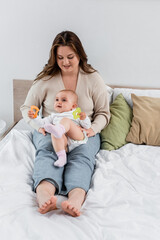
<point x="48" y="205"/>
<point x="61" y="159"/>
<point x="57" y="130"/>
<point x="59" y="163"/>
<point x="70" y="209"/>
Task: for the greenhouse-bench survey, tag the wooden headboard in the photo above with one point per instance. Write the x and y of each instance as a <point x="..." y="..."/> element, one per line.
<point x="21" y="88"/>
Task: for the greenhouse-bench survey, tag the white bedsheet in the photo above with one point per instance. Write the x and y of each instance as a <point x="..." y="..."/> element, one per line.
<point x="122" y="204"/>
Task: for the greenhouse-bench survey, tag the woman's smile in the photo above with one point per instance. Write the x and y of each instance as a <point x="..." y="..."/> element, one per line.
<point x="66" y="66"/>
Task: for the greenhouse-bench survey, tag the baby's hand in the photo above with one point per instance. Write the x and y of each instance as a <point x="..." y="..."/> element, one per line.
<point x="82" y="115"/>
<point x="42" y="130"/>
<point x="31" y="114"/>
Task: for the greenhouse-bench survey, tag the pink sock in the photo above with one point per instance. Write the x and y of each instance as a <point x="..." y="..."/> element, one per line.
<point x="57" y="130"/>
<point x="62" y="159"/>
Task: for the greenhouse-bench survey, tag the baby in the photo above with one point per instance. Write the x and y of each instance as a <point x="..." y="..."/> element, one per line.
<point x="66" y="132"/>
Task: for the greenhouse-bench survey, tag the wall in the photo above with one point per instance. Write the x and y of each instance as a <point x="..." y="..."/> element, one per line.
<point x="121" y="39"/>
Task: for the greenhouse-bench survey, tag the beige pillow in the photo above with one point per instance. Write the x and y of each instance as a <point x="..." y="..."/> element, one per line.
<point x="145" y="127"/>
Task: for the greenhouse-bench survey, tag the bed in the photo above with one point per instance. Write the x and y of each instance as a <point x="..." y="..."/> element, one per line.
<point x="123" y="202"/>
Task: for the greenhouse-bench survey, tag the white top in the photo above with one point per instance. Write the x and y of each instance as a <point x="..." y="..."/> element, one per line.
<point x="55" y="118"/>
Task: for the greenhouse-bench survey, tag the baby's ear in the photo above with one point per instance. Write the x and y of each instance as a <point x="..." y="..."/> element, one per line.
<point x="74" y="105"/>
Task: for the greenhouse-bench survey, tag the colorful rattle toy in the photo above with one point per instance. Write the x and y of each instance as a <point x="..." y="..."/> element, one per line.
<point x="35" y="110"/>
<point x="76" y="113"/>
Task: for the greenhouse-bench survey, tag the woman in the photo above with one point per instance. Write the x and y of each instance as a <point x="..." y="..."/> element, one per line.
<point x="67" y="68"/>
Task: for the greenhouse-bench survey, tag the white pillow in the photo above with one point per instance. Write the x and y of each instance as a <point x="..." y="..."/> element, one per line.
<point x="139" y="92"/>
<point x="110" y="94"/>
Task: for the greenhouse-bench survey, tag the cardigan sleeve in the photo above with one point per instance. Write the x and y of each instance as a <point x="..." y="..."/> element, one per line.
<point x="101" y="114"/>
<point x="35" y="97"/>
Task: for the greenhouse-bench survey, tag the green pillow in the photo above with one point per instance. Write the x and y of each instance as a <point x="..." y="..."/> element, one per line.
<point x="113" y="136"/>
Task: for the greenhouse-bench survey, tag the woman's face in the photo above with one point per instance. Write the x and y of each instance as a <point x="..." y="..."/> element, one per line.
<point x="67" y="59"/>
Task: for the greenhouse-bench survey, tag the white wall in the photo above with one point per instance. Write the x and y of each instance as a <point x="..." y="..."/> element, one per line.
<point x="121" y="39"/>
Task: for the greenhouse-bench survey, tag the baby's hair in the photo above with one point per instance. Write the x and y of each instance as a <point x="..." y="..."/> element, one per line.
<point x="73" y="94"/>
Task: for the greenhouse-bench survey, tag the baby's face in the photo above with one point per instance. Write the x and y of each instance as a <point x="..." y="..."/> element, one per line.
<point x="64" y="102"/>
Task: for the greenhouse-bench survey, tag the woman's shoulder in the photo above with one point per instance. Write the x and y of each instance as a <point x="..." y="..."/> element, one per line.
<point x="92" y="78"/>
<point x="95" y="76"/>
<point x="45" y="82"/>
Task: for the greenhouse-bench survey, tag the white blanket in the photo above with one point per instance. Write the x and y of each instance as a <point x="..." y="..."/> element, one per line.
<point x="122" y="204"/>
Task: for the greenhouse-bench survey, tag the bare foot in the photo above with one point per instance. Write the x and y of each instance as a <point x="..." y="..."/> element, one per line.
<point x="48" y="205"/>
<point x="45" y="197"/>
<point x="70" y="209"/>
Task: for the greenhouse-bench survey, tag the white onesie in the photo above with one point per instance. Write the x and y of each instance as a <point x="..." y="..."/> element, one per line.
<point x="55" y="118"/>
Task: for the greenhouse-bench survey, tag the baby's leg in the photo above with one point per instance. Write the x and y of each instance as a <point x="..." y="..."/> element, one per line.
<point x="72" y="130"/>
<point x="66" y="126"/>
<point x="60" y="147"/>
<point x="57" y="130"/>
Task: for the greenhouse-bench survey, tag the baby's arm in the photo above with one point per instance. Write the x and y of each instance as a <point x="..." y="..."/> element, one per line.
<point x="40" y="121"/>
<point x="84" y="120"/>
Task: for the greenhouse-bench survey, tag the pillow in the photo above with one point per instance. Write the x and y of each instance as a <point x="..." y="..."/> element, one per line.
<point x="110" y="94"/>
<point x="114" y="134"/>
<point x="139" y="92"/>
<point x="145" y="127"/>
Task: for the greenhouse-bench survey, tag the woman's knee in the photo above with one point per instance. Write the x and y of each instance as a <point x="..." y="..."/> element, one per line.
<point x="42" y="142"/>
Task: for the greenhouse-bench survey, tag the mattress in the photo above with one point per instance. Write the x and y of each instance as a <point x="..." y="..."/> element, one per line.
<point x="123" y="202"/>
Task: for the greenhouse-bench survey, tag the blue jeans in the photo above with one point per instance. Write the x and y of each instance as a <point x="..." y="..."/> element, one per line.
<point x="76" y="173"/>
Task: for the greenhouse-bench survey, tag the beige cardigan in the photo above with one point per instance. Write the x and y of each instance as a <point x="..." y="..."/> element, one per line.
<point x="92" y="98"/>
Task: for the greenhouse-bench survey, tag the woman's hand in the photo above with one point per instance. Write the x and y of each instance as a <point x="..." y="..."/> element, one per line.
<point x="42" y="130"/>
<point x="90" y="132"/>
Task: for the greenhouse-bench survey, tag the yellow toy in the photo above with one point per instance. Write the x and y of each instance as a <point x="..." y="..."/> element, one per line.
<point x="76" y="113"/>
<point x="35" y="110"/>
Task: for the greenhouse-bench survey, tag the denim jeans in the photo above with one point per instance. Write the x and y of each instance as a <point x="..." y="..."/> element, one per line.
<point x="77" y="173"/>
